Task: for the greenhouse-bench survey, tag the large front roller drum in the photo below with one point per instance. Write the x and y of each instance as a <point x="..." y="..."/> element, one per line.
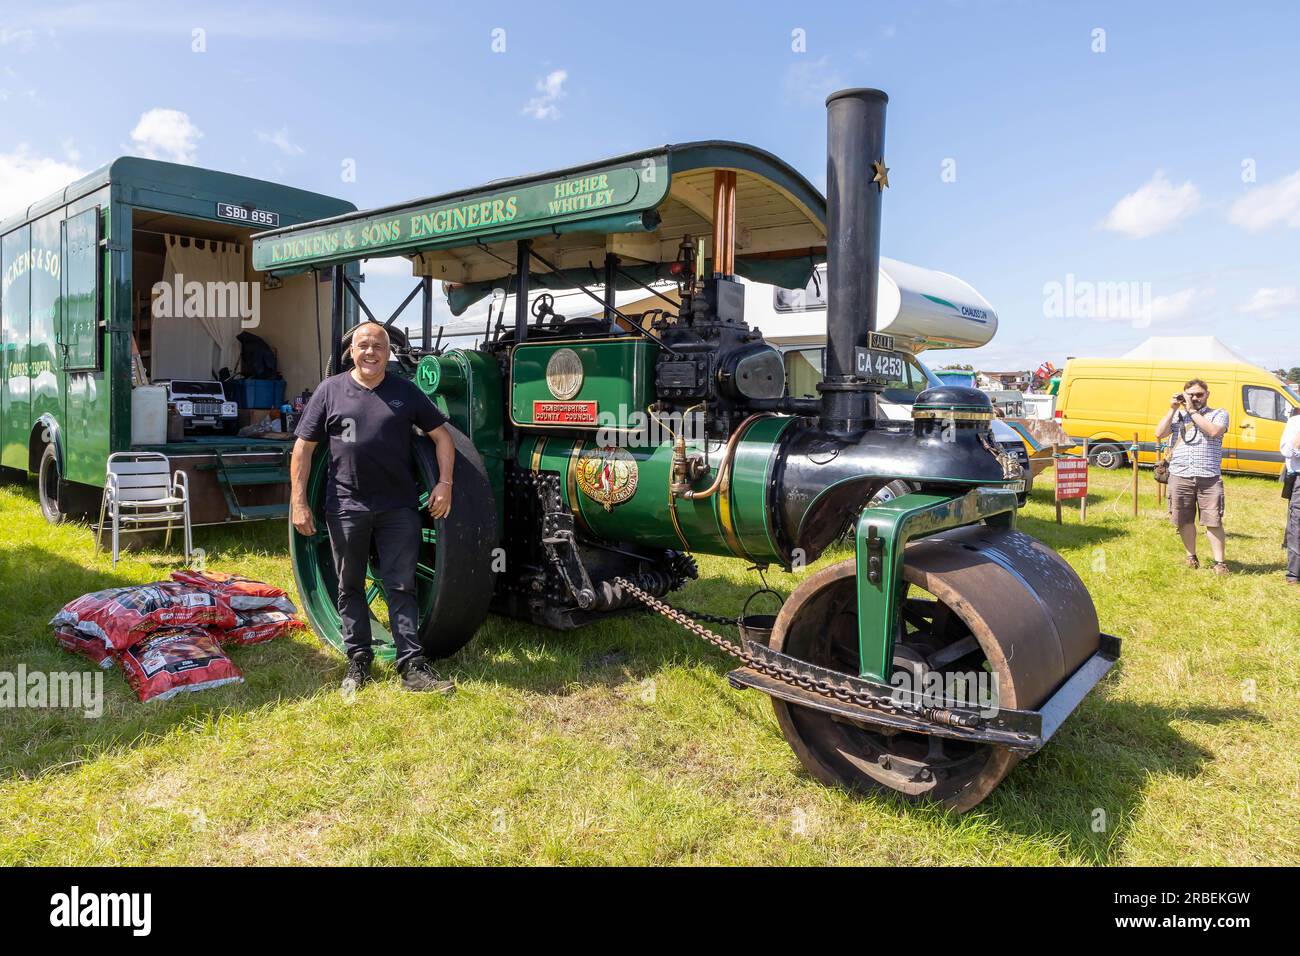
<point x="454" y="577"/>
<point x="994" y="600"/>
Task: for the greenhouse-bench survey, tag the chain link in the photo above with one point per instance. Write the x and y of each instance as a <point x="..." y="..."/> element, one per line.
<point x="786" y="675"/>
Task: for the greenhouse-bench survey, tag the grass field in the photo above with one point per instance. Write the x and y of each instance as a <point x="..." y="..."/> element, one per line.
<point x="622" y="743"/>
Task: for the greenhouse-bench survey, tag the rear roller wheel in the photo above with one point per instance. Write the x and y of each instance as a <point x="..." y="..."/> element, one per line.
<point x="978" y="600"/>
<point x="453" y="578"/>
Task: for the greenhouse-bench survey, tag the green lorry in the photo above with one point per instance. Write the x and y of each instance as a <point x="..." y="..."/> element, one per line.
<point x="82" y="330"/>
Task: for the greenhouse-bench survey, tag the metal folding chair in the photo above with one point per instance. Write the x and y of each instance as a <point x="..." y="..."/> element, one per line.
<point x="140" y="494"/>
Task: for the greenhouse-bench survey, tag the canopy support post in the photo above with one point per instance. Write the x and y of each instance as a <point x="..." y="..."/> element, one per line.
<point x="336" y="317"/>
<point x="611" y="274"/>
<point x="426" y="312"/>
<point x="522" y="249"/>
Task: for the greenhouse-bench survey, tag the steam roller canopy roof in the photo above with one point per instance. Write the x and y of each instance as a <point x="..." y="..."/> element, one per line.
<point x="639" y="207"/>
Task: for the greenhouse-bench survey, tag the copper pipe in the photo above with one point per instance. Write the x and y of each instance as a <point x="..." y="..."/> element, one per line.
<point x="729" y="262"/>
<point x="724" y="221"/>
<point x="723" y="477"/>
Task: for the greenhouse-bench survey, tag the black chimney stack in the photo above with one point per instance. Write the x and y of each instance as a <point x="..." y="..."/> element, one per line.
<point x="855" y="140"/>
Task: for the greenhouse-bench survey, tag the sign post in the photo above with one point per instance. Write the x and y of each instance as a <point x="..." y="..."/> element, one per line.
<point x="1071" y="481"/>
<point x="1134" y="456"/>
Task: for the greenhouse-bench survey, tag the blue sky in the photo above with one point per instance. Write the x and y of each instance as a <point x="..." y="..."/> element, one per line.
<point x="1164" y="152"/>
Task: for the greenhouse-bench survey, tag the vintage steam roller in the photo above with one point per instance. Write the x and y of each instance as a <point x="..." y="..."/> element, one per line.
<point x="597" y="452"/>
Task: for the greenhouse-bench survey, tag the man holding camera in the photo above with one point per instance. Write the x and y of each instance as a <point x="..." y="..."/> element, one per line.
<point x="1195" y="468"/>
<point x="1290" y="448"/>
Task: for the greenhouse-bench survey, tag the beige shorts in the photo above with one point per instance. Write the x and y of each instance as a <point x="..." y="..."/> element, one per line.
<point x="1189" y="497"/>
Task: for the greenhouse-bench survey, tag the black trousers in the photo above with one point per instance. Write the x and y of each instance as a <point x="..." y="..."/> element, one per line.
<point x="1293" y="534"/>
<point x="396" y="535"/>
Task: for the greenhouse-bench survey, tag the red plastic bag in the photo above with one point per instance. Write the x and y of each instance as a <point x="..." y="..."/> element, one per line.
<point x="175" y="661"/>
<point x="119" y="617"/>
<point x="264" y="624"/>
<point x="241" y="593"/>
<point x="91" y="648"/>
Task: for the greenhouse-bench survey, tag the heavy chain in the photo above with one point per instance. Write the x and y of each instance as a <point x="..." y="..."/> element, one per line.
<point x="786" y="675"/>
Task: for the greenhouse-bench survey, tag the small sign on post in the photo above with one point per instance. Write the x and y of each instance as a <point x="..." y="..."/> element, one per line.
<point x="1071" y="482"/>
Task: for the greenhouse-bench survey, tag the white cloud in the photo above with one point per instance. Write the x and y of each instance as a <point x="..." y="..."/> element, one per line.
<point x="26" y="177"/>
<point x="1153" y="207"/>
<point x="1139" y="307"/>
<point x="1176" y="305"/>
<point x="166" y="134"/>
<point x="280" y="140"/>
<point x="24" y="40"/>
<point x="387" y="266"/>
<point x="1272" y="204"/>
<point x="550" y="91"/>
<point x="1271" y="300"/>
<point x="809" y="82"/>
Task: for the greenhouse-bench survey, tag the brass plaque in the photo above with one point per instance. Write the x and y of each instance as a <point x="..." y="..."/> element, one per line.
<point x="564" y="374"/>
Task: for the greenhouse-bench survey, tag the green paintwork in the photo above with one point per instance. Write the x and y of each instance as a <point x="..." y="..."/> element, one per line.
<point x="737" y="524"/>
<point x="895" y="523"/>
<point x="66" y="263"/>
<point x="617" y="374"/>
<point x="468" y="391"/>
<point x="493" y="214"/>
<point x="353" y="237"/>
<point x="427" y="375"/>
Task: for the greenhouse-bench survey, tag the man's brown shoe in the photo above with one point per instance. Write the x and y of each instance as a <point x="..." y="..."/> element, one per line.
<point x="1220" y="568"/>
<point x="1192" y="562"/>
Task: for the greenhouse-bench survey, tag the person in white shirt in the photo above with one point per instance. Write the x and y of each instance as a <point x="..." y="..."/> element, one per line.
<point x="1290" y="448"/>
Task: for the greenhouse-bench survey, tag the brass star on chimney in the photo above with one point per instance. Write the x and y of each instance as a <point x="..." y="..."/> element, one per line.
<point x="882" y="174"/>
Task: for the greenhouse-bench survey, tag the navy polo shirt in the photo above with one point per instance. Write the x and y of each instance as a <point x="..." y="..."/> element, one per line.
<point x="369" y="432"/>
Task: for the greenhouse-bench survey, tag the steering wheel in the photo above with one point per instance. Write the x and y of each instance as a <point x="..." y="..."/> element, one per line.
<point x="543" y="305"/>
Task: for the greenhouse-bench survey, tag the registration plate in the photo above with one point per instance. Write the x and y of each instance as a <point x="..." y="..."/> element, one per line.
<point x="880" y="364"/>
<point x="249" y="215"/>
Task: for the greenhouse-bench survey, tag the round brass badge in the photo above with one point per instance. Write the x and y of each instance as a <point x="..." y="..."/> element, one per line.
<point x="564" y="374"/>
<point x="607" y="476"/>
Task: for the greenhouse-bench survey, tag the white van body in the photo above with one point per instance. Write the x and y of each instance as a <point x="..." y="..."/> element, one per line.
<point x="921" y="308"/>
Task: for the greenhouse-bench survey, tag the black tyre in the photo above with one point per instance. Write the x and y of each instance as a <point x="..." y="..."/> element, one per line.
<point x="48" y="473"/>
<point x="454" y="576"/>
<point x="1107" y="456"/>
<point x="895" y="489"/>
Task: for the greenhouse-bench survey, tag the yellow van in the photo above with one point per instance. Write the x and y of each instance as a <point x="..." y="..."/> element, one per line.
<point x="1107" y="400"/>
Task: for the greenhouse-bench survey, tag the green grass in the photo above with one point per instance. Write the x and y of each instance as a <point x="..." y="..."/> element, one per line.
<point x="622" y="743"/>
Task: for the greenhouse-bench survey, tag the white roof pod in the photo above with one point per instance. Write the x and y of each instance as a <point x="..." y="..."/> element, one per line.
<point x="921" y="308"/>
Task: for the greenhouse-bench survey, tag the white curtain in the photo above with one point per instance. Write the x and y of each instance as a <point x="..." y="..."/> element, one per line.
<point x="196" y="347"/>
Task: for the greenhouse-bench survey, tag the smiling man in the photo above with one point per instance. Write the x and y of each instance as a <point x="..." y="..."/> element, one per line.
<point x="371" y="495"/>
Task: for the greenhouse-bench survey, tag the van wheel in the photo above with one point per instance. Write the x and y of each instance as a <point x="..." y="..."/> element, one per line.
<point x="1107" y="456"/>
<point x="47" y="485"/>
<point x="895" y="489"/>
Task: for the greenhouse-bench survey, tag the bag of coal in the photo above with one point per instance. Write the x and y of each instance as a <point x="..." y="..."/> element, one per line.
<point x="254" y="627"/>
<point x="241" y="593"/>
<point x="119" y="617"/>
<point x="91" y="648"/>
<point x="174" y="661"/>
